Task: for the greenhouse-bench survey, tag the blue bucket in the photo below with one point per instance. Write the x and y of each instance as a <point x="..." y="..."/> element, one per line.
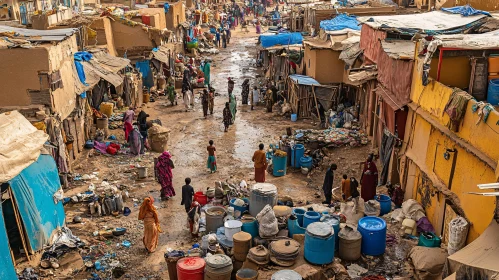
<point x="279" y="166"/>
<point x="251" y="228"/>
<point x="298" y="212"/>
<point x="373" y="231"/>
<point x="385" y="203"/>
<point x="306" y="162"/>
<point x="318" y="249"/>
<point x="294" y="117"/>
<point x="493" y="92"/>
<point x="241" y="209"/>
<point x="310" y="217"/>
<point x="294" y="228"/>
<point x="297" y="153"/>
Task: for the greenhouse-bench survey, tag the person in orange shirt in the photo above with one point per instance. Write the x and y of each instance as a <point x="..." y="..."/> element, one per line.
<point x="345" y="187"/>
<point x="260" y="161"/>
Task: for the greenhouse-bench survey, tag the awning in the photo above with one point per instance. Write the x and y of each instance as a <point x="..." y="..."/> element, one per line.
<point x="162" y="54"/>
<point x="303" y="80"/>
<point x="104" y="66"/>
<point x="392" y="100"/>
<point x="479" y="259"/>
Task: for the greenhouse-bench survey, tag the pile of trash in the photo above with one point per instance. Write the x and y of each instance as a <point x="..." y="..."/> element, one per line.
<point x="335" y="137"/>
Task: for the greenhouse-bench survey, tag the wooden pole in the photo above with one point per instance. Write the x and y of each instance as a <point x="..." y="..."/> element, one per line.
<point x="316" y="105"/>
<point x="19" y="223"/>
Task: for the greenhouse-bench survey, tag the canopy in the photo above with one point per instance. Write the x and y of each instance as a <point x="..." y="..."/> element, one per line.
<point x="7" y="270"/>
<point x="40" y="212"/>
<point x="304" y="80"/>
<point x="478" y="260"/>
<point x="20" y="144"/>
<point x="281" y="39"/>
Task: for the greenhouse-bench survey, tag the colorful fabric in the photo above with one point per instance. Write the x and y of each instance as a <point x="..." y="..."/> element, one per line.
<point x="369" y="181"/>
<point x="128" y="128"/>
<point x="206" y="70"/>
<point x="165" y="175"/>
<point x="227" y="117"/>
<point x="149" y="215"/>
<point x="171" y="93"/>
<point x="345" y="188"/>
<point x="135" y="142"/>
<point x="212" y="163"/>
<point x="245" y="91"/>
<point x="260" y="159"/>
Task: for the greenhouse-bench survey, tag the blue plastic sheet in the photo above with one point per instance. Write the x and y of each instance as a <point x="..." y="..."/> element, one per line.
<point x="145" y="69"/>
<point x="79" y="57"/>
<point x="6" y="266"/>
<point x="340" y="22"/>
<point x="303" y="80"/>
<point x="282" y="39"/>
<point x="33" y="190"/>
<point x="466" y="11"/>
<point x="166" y="6"/>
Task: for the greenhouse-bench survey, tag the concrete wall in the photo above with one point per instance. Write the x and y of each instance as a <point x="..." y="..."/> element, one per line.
<point x="130" y="38"/>
<point x="436" y="182"/>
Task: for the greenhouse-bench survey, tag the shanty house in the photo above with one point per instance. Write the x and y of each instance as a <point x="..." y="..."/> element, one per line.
<point x="448" y="133"/>
<point x="30" y="212"/>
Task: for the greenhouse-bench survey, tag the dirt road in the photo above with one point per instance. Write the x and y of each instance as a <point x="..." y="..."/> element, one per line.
<point x="190" y="133"/>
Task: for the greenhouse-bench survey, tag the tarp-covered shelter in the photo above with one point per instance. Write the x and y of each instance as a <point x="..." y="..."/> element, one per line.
<point x="305" y="94"/>
<point x="283" y="39"/>
<point x="30" y="212"/>
<point x="479" y="259"/>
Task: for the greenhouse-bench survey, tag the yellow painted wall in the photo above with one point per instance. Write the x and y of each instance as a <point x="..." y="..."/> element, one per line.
<point x="428" y="145"/>
<point x="455" y="71"/>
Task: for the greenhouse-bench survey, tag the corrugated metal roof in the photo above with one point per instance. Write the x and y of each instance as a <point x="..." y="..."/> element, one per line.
<point x="35" y="35"/>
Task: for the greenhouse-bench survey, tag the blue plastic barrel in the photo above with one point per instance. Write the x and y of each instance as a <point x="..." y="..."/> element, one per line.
<point x="241" y="209"/>
<point x="279" y="166"/>
<point x="298" y="212"/>
<point x="319" y="244"/>
<point x="306" y="162"/>
<point x="294" y="228"/>
<point x="250" y="227"/>
<point x="385" y="202"/>
<point x="493" y="92"/>
<point x="333" y="221"/>
<point x="297" y="153"/>
<point x="294" y="117"/>
<point x="310" y="217"/>
<point x="373" y="231"/>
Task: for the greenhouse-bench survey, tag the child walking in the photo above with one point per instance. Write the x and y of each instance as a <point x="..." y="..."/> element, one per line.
<point x="212" y="160"/>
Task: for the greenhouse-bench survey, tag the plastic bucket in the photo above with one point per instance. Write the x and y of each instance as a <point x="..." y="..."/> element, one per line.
<point x="493" y="92"/>
<point x="214" y="218"/>
<point x="279" y="166"/>
<point x="142" y="172"/>
<point x="201" y="198"/>
<point x="247" y="274"/>
<point x="250" y="227"/>
<point x="319" y="250"/>
<point x="239" y="210"/>
<point x="286" y="274"/>
<point x="107" y="108"/>
<point x="310" y="217"/>
<point x="191" y="268"/>
<point x="262" y="194"/>
<point x="298" y="212"/>
<point x="306" y="162"/>
<point x="385" y="204"/>
<point x="434" y="241"/>
<point x="294" y="117"/>
<point x="294" y="228"/>
<point x="373" y="231"/>
<point x="232" y="227"/>
<point x="297" y="153"/>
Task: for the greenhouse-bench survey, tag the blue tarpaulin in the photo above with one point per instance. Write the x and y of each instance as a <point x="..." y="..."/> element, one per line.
<point x="145" y="69"/>
<point x="466" y="11"/>
<point x="304" y="80"/>
<point x="282" y="39"/>
<point x="6" y="265"/>
<point x="340" y="22"/>
<point x="33" y="190"/>
<point x="79" y="57"/>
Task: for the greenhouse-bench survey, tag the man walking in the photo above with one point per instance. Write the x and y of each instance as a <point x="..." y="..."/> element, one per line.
<point x="260" y="161"/>
<point x="327" y="187"/>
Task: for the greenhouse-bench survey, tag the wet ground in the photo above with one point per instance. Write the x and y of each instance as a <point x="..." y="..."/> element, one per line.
<point x="190" y="133"/>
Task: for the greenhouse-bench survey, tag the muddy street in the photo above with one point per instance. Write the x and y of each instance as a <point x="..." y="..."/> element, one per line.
<point x="189" y="136"/>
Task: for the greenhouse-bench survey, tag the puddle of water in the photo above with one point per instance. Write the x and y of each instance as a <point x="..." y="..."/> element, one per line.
<point x="247" y="137"/>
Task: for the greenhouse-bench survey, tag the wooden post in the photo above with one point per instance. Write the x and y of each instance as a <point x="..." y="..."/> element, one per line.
<point x="19" y="223"/>
<point x="316" y="105"/>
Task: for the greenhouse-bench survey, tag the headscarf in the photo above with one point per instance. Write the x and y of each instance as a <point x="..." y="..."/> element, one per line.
<point x="147" y="206"/>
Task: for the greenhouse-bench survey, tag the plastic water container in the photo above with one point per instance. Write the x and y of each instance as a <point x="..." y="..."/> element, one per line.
<point x="310" y="217"/>
<point x="239" y="210"/>
<point x="409" y="226"/>
<point x="335" y="223"/>
<point x="297" y="153"/>
<point x="319" y="243"/>
<point x="250" y="227"/>
<point x="262" y="194"/>
<point x="232" y="227"/>
<point x="191" y="268"/>
<point x="306" y="162"/>
<point x="493" y="92"/>
<point x="294" y="117"/>
<point x="286" y="274"/>
<point x="246" y="274"/>
<point x="294" y="228"/>
<point x="214" y="218"/>
<point x="432" y="241"/>
<point x="298" y="212"/>
<point x="201" y="198"/>
<point x="373" y="231"/>
<point x="279" y="166"/>
<point x="385" y="203"/>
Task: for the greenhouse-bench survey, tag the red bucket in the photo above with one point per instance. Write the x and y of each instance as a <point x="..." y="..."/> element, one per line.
<point x="201" y="198"/>
<point x="191" y="268"/>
